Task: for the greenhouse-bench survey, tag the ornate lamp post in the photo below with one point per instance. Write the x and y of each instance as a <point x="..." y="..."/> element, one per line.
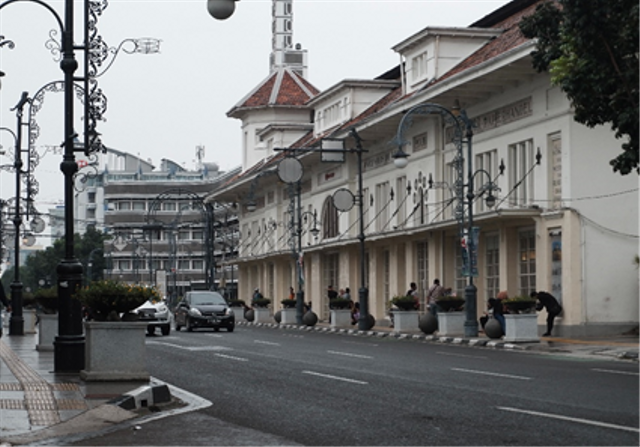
<point x="69" y="344"/>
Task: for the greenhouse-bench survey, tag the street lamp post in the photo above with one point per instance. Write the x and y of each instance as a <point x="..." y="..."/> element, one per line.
<point x="69" y="343"/>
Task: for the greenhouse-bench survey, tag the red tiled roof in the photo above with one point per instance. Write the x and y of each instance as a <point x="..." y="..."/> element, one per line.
<point x="283" y="87"/>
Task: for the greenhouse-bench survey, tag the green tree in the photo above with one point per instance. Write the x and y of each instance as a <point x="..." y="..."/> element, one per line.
<point x="590" y="48"/>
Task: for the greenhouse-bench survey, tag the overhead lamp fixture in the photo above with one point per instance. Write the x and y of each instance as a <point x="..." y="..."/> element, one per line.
<point x="400" y="158"/>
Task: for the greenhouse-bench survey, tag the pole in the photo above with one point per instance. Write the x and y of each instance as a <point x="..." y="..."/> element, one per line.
<point x="69" y="343"/>
<point x="471" y="291"/>
<point x="300" y="294"/>
<point x="363" y="293"/>
<point x="16" y="322"/>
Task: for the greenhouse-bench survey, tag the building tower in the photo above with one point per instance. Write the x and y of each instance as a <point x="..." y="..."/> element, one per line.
<point x="282" y="52"/>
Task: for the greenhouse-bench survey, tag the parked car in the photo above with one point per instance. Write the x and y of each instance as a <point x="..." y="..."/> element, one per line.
<point x="156" y="314"/>
<point x="201" y="308"/>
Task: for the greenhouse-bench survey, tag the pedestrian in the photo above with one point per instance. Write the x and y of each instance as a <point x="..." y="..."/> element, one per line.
<point x="5" y="302"/>
<point x="413" y="291"/>
<point x="346" y="294"/>
<point x="292" y="294"/>
<point x="256" y="295"/>
<point x="552" y="305"/>
<point x="331" y="294"/>
<point x="495" y="304"/>
<point x="355" y="313"/>
<point x="434" y="292"/>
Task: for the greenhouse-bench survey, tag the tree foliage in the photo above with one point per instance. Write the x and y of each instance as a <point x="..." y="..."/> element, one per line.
<point x="42" y="265"/>
<point x="590" y="48"/>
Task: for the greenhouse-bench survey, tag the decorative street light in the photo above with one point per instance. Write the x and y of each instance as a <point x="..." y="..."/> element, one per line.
<point x="290" y="171"/>
<point x="69" y="343"/>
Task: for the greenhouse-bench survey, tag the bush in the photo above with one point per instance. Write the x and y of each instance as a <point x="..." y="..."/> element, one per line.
<point x="405" y="302"/>
<point x="450" y="303"/>
<point x="261" y="302"/>
<point x="288" y="303"/>
<point x="106" y="300"/>
<point x="339" y="303"/>
<point x="520" y="304"/>
<point x="237" y="303"/>
<point x="47" y="299"/>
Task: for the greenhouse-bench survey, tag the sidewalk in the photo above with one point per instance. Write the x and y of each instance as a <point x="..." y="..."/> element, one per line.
<point x="32" y="397"/>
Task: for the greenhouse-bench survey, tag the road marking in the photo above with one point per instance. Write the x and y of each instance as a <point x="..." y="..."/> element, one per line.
<point x="329" y="376"/>
<point x="567" y="418"/>
<point x="359" y="343"/>
<point x="613" y="371"/>
<point x="348" y="354"/>
<point x="270" y="343"/>
<point x="190" y="348"/>
<point x="215" y="335"/>
<point x="486" y="373"/>
<point x="231" y="357"/>
<point x="462" y="355"/>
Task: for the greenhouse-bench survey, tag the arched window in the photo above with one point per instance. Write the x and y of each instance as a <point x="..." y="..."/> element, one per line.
<point x="330" y="221"/>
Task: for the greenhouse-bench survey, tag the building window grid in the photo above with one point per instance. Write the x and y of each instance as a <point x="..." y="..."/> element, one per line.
<point x="419" y="66"/>
<point x="386" y="276"/>
<point x="521" y="160"/>
<point x="527" y="262"/>
<point x="488" y="162"/>
<point x="492" y="263"/>
<point x="401" y="188"/>
<point x="382" y="207"/>
<point x="330" y="273"/>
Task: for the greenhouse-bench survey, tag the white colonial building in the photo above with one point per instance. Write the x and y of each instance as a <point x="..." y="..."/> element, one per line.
<point x="562" y="220"/>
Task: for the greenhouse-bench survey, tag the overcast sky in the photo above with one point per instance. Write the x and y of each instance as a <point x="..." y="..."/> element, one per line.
<point x="164" y="105"/>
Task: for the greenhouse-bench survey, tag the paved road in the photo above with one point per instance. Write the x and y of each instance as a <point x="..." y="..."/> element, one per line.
<point x="279" y="387"/>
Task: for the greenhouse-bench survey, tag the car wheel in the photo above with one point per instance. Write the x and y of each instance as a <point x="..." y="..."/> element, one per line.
<point x="178" y="327"/>
<point x="230" y="328"/>
<point x="216" y="329"/>
<point x="151" y="330"/>
<point x="189" y="326"/>
<point x="166" y="329"/>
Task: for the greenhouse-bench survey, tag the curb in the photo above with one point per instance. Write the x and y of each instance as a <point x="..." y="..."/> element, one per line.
<point x="143" y="397"/>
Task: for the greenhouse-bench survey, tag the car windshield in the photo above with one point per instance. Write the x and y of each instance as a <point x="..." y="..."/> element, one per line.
<point x="206" y="298"/>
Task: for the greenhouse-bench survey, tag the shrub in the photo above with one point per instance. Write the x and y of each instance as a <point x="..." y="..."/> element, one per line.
<point x="107" y="299"/>
<point x="237" y="303"/>
<point x="288" y="303"/>
<point x="47" y="299"/>
<point x="261" y="302"/>
<point x="339" y="303"/>
<point x="405" y="302"/>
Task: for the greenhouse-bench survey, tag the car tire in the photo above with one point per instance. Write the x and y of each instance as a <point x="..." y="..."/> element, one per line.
<point x="189" y="326"/>
<point x="216" y="329"/>
<point x="230" y="328"/>
<point x="151" y="330"/>
<point x="166" y="329"/>
<point x="178" y="327"/>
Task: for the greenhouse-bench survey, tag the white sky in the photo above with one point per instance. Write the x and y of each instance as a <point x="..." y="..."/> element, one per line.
<point x="164" y="105"/>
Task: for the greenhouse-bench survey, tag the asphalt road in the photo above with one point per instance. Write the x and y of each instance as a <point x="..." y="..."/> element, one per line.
<point x="287" y="387"/>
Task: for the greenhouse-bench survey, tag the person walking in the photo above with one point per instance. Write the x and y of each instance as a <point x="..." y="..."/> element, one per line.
<point x="552" y="305"/>
<point x="496" y="305"/>
<point x="5" y="302"/>
<point x="413" y="291"/>
<point x="434" y="292"/>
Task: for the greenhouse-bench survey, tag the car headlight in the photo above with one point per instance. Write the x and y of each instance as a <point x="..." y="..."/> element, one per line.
<point x="195" y="312"/>
<point x="162" y="309"/>
<point x="228" y="311"/>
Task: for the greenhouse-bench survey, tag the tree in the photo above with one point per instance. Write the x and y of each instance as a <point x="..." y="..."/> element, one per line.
<point x="590" y="48"/>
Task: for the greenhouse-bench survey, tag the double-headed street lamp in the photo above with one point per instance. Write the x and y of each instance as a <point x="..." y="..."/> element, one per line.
<point x="69" y="344"/>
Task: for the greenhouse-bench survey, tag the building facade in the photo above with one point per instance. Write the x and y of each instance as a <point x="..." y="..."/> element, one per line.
<point x="561" y="220"/>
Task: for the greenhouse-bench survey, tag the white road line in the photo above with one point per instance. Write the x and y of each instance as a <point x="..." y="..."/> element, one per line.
<point x="462" y="355"/>
<point x="359" y="343"/>
<point x="567" y="418"/>
<point x="486" y="373"/>
<point x="231" y="357"/>
<point x="348" y="354"/>
<point x="613" y="371"/>
<point x="190" y="348"/>
<point x="328" y="376"/>
<point x="262" y="342"/>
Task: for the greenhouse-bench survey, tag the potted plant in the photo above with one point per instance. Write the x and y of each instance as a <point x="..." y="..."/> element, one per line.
<point x="520" y="304"/>
<point x="47" y="300"/>
<point x="340" y="312"/>
<point x="114" y="345"/>
<point x="405" y="317"/>
<point x="288" y="312"/>
<point x="450" y="303"/>
<point x="239" y="307"/>
<point x="262" y="314"/>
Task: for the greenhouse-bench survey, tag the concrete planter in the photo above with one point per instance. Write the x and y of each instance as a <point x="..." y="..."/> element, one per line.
<point x="115" y="351"/>
<point x="521" y="327"/>
<point x="406" y="321"/>
<point x="262" y="315"/>
<point x="340" y="318"/>
<point x="47" y="331"/>
<point x="239" y="313"/>
<point x="30" y="319"/>
<point x="451" y="323"/>
<point x="288" y="316"/>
